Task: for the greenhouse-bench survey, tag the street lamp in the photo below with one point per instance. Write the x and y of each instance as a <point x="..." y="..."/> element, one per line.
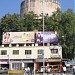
<point x="8" y="61"/>
<point x="43" y="32"/>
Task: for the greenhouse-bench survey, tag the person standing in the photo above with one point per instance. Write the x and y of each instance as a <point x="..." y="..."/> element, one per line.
<point x="64" y="69"/>
<point x="61" y="67"/>
<point x="73" y="70"/>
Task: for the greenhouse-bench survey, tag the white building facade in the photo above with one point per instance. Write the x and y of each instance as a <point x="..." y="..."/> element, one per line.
<point x="18" y="57"/>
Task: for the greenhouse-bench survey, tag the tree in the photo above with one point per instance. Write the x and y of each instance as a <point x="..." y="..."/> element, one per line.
<point x="30" y="21"/>
<point x="67" y="22"/>
<point x="10" y="23"/>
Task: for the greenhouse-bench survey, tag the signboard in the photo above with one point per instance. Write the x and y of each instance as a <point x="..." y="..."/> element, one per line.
<point x="55" y="56"/>
<point x="3" y="62"/>
<point x="47" y="37"/>
<point x="18" y="37"/>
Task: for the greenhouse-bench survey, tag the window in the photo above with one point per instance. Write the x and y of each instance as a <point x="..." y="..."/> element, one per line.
<point x="32" y="5"/>
<point x="40" y="51"/>
<point x="54" y="51"/>
<point x="47" y="1"/>
<point x="32" y="0"/>
<point x="54" y="1"/>
<point x="15" y="52"/>
<point x="16" y="66"/>
<point x="27" y="52"/>
<point x="3" y="52"/>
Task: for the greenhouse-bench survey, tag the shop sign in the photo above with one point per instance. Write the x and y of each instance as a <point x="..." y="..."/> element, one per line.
<point x="3" y="62"/>
<point x="55" y="56"/>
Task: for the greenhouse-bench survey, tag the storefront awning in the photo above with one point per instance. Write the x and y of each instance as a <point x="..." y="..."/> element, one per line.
<point x="54" y="60"/>
<point x="40" y="60"/>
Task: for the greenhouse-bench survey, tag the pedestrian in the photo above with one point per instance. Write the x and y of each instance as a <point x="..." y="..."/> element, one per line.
<point x="64" y="69"/>
<point x="41" y="69"/>
<point x="60" y="67"/>
<point x="26" y="70"/>
<point x="31" y="69"/>
<point x="73" y="70"/>
<point x="49" y="70"/>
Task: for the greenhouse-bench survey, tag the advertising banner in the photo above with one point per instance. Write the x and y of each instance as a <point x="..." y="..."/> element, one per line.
<point x="18" y="37"/>
<point x="48" y="37"/>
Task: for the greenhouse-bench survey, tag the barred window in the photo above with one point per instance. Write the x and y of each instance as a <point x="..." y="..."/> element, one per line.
<point x="54" y="51"/>
<point x="40" y="51"/>
<point x="3" y="52"/>
<point x="27" y="52"/>
<point x="16" y="52"/>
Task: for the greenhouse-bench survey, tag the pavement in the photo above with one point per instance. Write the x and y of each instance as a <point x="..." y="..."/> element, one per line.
<point x="43" y="74"/>
<point x="58" y="74"/>
<point x="53" y="74"/>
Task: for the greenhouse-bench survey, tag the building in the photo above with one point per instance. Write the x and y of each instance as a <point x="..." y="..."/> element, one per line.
<point x="48" y="7"/>
<point x="19" y="50"/>
<point x="27" y="56"/>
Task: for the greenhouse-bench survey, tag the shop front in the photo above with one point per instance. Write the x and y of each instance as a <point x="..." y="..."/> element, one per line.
<point x="4" y="63"/>
<point x="21" y="64"/>
<point x="39" y="63"/>
<point x="55" y="64"/>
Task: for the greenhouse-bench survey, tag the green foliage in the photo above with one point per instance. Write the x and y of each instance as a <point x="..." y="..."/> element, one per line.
<point x="68" y="27"/>
<point x="10" y="23"/>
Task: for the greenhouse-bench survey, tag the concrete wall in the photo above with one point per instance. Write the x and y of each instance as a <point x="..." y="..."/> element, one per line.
<point x="34" y="49"/>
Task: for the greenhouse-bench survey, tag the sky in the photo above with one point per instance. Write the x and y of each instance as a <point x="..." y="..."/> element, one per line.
<point x="66" y="4"/>
<point x="13" y="6"/>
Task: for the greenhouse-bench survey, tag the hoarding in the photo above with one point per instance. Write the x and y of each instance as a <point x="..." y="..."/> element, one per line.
<point x="18" y="37"/>
<point x="47" y="37"/>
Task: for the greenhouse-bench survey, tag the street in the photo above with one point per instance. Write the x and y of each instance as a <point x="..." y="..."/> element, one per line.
<point x="56" y="74"/>
<point x="44" y="74"/>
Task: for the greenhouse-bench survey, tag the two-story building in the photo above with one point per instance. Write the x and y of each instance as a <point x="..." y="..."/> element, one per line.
<point x="18" y="56"/>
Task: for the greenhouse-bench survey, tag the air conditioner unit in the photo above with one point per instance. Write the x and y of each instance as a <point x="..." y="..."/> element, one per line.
<point x="40" y="56"/>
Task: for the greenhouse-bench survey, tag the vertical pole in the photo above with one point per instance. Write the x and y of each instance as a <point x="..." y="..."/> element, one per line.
<point x="43" y="18"/>
<point x="9" y="61"/>
<point x="43" y="32"/>
<point x="74" y="54"/>
<point x="22" y="65"/>
<point x="34" y="68"/>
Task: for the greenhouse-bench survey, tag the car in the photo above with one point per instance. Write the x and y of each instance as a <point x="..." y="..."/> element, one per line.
<point x="3" y="70"/>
